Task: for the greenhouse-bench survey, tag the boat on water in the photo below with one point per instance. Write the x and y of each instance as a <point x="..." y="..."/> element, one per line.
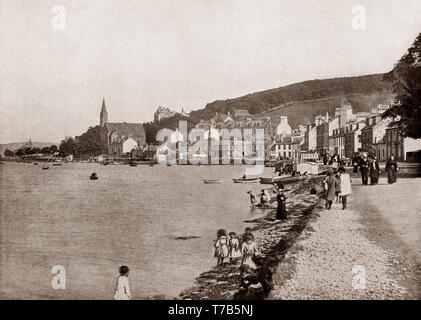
<point x="93" y="176"/>
<point x="246" y="180"/>
<point x="213" y="181"/>
<point x="284" y="180"/>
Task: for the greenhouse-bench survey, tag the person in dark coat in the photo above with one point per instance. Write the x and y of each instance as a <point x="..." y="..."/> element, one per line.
<point x="281" y="211"/>
<point x="331" y="185"/>
<point x="374" y="171"/>
<point x="391" y="169"/>
<point x="364" y="170"/>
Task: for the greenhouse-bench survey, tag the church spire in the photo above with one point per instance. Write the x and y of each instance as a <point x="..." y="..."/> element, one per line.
<point x="103" y="116"/>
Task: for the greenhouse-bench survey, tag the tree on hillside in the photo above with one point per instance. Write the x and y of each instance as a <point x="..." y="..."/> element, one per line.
<point x="406" y="79"/>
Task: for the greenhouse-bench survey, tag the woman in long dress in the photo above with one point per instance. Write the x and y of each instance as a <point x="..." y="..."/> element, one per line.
<point x="391" y="169"/>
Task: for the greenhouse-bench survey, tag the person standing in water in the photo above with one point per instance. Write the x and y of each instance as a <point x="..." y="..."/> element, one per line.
<point x="122" y="288"/>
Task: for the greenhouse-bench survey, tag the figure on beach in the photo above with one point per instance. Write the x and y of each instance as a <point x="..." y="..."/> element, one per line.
<point x="252" y="198"/>
<point x="221" y="246"/>
<point x="391" y="169"/>
<point x="247" y="232"/>
<point x="249" y="250"/>
<point x="264" y="200"/>
<point x="330" y="185"/>
<point x="122" y="288"/>
<point x="234" y="248"/>
<point x="345" y="182"/>
<point x="281" y="211"/>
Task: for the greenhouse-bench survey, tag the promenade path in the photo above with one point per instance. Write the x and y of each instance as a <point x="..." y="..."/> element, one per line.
<point x="376" y="238"/>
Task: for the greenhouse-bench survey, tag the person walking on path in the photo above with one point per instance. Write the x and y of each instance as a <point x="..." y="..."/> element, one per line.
<point x="391" y="169"/>
<point x="345" y="181"/>
<point x="331" y="184"/>
<point x="364" y="171"/>
<point x="374" y="171"/>
<point x="122" y="288"/>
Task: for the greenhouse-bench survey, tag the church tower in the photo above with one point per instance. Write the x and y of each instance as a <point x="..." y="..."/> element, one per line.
<point x="103" y="116"/>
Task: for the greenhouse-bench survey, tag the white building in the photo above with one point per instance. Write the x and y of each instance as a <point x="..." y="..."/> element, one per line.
<point x="283" y="127"/>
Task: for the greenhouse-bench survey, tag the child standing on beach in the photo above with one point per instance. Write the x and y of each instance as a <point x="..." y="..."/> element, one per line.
<point x="122" y="288"/>
<point x="249" y="250"/>
<point x="221" y="246"/>
<point x="234" y="248"/>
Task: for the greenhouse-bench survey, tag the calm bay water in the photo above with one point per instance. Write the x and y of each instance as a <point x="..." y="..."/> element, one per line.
<point x="129" y="216"/>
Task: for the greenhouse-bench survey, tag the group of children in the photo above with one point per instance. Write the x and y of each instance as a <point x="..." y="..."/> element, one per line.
<point x="229" y="246"/>
<point x="234" y="248"/>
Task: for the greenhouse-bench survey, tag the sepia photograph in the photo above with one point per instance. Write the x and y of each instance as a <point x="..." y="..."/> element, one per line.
<point x="205" y="150"/>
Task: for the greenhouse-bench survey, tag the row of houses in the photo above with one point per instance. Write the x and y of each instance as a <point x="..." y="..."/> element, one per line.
<point x="347" y="133"/>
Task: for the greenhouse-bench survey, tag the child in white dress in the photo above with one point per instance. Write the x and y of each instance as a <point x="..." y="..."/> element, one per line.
<point x="234" y="247"/>
<point x="221" y="246"/>
<point x="249" y="249"/>
<point x="122" y="288"/>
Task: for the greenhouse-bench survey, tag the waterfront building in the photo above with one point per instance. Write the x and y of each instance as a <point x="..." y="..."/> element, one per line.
<point x="323" y="131"/>
<point x="121" y="146"/>
<point x="283" y="126"/>
<point x="353" y="138"/>
<point x="119" y="136"/>
<point x="373" y="132"/>
<point x="401" y="147"/>
<point x="310" y="138"/>
<point x="286" y="146"/>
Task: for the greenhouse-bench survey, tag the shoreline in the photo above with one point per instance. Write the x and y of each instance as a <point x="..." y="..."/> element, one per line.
<point x="274" y="238"/>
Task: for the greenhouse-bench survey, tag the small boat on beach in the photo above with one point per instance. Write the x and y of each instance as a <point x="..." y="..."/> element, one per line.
<point x="56" y="164"/>
<point x="246" y="180"/>
<point x="133" y="164"/>
<point x="35" y="163"/>
<point x="284" y="180"/>
<point x="93" y="176"/>
<point x="45" y="167"/>
<point x="213" y="181"/>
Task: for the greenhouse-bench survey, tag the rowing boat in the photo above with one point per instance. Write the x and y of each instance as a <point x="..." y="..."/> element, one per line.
<point x="284" y="180"/>
<point x="245" y="180"/>
<point x="212" y="181"/>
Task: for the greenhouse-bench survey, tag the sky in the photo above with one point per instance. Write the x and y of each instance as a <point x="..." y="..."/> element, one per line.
<point x="180" y="54"/>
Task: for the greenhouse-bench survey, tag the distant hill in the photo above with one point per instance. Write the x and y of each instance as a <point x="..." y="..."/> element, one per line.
<point x="314" y="96"/>
<point x="16" y="145"/>
<point x="301" y="102"/>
